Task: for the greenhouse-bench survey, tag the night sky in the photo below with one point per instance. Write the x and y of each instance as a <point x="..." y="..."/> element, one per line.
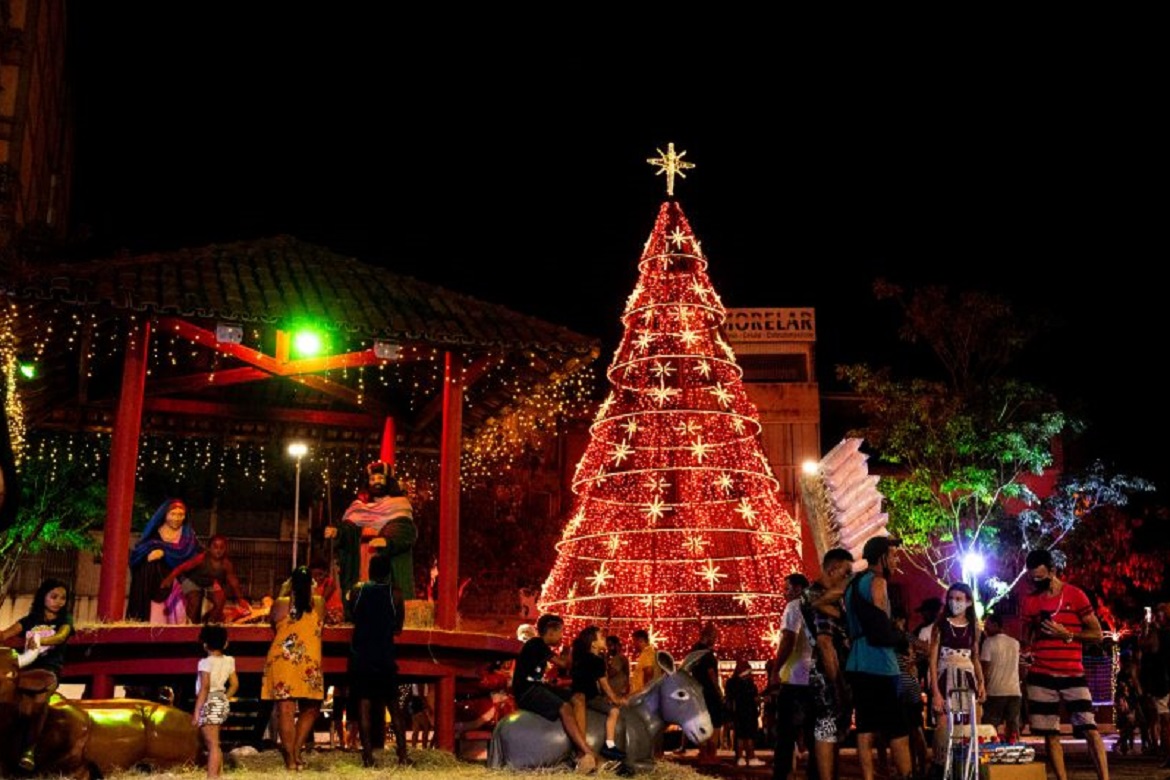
<point x="513" y="168"/>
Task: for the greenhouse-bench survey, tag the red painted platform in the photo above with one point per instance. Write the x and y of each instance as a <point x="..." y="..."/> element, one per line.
<point x="134" y="651"/>
<point x="103" y="656"/>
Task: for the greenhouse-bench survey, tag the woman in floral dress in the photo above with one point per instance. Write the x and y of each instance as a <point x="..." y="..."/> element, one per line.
<point x="292" y="672"/>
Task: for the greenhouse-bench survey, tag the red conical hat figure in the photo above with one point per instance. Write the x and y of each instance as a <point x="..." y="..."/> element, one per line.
<point x="677" y="518"/>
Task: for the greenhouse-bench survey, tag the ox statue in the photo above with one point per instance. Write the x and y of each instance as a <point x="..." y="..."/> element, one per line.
<point x="525" y="740"/>
<point x="93" y="738"/>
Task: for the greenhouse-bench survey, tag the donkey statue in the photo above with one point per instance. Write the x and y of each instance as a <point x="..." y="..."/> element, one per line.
<point x="94" y="738"/>
<point x="525" y="740"/>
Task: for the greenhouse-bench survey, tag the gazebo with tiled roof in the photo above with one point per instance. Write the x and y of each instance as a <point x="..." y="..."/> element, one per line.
<point x="459" y="367"/>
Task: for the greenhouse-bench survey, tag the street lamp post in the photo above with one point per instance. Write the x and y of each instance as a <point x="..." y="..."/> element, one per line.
<point x="973" y="565"/>
<point x="297" y="450"/>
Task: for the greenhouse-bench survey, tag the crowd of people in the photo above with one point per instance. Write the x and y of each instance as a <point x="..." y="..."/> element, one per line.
<point x="847" y="659"/>
<point x="847" y="654"/>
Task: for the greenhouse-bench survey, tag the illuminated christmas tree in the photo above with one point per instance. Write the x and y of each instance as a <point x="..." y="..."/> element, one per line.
<point x="677" y="518"/>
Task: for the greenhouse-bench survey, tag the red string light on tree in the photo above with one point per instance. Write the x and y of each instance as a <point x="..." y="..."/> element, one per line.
<point x="677" y="518"/>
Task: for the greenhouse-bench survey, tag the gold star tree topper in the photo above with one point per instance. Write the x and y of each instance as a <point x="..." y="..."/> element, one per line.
<point x="670" y="164"/>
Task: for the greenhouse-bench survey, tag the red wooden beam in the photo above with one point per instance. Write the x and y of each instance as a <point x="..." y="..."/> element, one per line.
<point x="280" y="414"/>
<point x="279" y="365"/>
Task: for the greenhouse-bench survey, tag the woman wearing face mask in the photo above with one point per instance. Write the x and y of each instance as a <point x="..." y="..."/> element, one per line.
<point x="954" y="654"/>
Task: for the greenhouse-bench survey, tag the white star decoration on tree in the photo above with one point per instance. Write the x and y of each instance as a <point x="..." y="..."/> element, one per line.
<point x="678" y="238"/>
<point x="688" y="337"/>
<point x="694" y="543"/>
<point x="630" y="426"/>
<point x="737" y="424"/>
<point x="651" y="601"/>
<point x="672" y="164"/>
<point x="656" y="483"/>
<point x="603" y="410"/>
<point x="699" y="449"/>
<point x="723" y="482"/>
<point x="722" y="394"/>
<point x="772" y="636"/>
<point x="711" y="573"/>
<point x="615" y="541"/>
<point x="704" y="368"/>
<point x="574" y="523"/>
<point x="662" y="394"/>
<point x="600" y="577"/>
<point x="747" y="512"/>
<point x="661" y="370"/>
<point x="635" y="295"/>
<point x="655" y="510"/>
<point x="688" y="427"/>
<point x="745" y="600"/>
<point x="644" y="340"/>
<point x="656" y="638"/>
<point x="620" y="452"/>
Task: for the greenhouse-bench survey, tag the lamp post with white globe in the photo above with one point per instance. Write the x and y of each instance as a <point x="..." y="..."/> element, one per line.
<point x="973" y="565"/>
<point x="297" y="450"/>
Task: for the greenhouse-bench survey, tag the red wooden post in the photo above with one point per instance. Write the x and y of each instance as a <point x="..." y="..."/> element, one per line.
<point x="446" y="610"/>
<point x="111" y="601"/>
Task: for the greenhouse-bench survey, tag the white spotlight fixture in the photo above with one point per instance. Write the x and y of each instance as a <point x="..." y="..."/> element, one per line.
<point x="227" y="333"/>
<point x="386" y="350"/>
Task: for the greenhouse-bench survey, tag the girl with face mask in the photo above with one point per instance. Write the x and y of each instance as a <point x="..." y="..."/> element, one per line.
<point x="954" y="664"/>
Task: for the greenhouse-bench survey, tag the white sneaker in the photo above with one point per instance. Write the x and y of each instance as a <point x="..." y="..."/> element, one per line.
<point x="740" y="761"/>
<point x="755" y="762"/>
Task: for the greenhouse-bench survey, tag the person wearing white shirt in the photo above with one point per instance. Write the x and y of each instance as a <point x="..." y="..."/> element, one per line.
<point x="794" y="704"/>
<point x="1001" y="669"/>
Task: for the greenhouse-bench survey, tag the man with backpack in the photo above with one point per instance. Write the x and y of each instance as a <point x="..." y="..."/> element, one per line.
<point x="824" y="617"/>
<point x="872" y="668"/>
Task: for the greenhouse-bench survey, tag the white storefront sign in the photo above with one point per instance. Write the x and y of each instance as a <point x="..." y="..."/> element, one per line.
<point x="763" y="325"/>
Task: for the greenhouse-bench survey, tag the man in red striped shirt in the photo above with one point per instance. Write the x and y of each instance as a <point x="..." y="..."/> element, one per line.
<point x="1058" y="619"/>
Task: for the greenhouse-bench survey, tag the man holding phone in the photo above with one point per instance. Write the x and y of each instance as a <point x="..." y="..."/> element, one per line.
<point x="1059" y="619"/>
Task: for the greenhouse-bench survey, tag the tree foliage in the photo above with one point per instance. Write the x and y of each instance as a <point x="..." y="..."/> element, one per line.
<point x="963" y="452"/>
<point x="59" y="505"/>
<point x="1105" y="549"/>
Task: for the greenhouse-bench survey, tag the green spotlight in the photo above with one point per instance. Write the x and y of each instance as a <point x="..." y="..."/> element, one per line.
<point x="27" y="369"/>
<point x="307" y="342"/>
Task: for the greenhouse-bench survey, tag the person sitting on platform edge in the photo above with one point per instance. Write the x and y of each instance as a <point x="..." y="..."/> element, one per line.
<point x="381" y="514"/>
<point x="46" y="628"/>
<point x="532" y="693"/>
